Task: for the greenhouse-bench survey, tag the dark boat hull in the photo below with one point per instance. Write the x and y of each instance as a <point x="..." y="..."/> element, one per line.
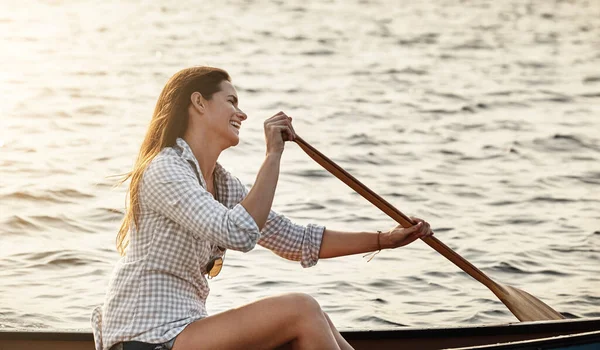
<point x="405" y="338"/>
<point x="579" y="341"/>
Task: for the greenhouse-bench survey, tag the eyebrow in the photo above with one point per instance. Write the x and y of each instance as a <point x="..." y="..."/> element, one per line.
<point x="235" y="99"/>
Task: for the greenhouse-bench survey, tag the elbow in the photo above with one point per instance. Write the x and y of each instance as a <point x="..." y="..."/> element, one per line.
<point x="243" y="231"/>
<point x="247" y="245"/>
<point x="243" y="238"/>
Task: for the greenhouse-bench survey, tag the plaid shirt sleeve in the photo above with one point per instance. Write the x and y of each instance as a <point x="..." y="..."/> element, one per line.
<point x="292" y="241"/>
<point x="289" y="240"/>
<point x="171" y="189"/>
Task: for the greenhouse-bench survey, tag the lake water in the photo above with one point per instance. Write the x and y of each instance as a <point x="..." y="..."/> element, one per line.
<point x="482" y="117"/>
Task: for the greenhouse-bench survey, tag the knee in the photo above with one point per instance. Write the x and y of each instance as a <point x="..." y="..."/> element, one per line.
<point x="309" y="318"/>
<point x="305" y="304"/>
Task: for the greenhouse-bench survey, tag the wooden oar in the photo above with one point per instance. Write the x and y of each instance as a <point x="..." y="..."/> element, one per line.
<point x="522" y="304"/>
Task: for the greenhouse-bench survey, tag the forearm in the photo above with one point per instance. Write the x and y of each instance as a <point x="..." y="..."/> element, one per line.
<point x="337" y="243"/>
<point x="259" y="200"/>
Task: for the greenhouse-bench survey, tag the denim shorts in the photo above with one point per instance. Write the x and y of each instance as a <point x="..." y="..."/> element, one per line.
<point x="136" y="345"/>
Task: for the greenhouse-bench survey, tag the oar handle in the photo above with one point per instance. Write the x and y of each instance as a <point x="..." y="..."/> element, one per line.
<point x="392" y="212"/>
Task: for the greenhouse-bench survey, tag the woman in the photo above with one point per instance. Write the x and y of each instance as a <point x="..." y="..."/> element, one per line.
<point x="185" y="210"/>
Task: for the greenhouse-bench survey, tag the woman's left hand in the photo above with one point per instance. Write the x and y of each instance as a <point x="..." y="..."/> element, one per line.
<point x="400" y="236"/>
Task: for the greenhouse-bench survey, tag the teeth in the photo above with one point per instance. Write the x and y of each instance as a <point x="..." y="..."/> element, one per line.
<point x="236" y="124"/>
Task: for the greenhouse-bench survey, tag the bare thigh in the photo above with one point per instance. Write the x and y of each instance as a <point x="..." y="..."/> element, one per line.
<point x="264" y="324"/>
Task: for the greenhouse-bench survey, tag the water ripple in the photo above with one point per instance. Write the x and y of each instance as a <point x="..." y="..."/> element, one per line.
<point x="486" y="125"/>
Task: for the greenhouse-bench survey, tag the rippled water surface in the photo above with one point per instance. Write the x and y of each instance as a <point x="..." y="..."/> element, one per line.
<point x="482" y="117"/>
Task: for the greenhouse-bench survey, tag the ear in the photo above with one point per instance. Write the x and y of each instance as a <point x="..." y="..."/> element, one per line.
<point x="198" y="102"/>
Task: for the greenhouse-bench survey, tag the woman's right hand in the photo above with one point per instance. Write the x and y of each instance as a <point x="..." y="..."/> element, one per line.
<point x="257" y="203"/>
<point x="278" y="129"/>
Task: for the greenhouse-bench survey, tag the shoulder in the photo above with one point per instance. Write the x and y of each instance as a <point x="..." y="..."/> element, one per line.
<point x="168" y="165"/>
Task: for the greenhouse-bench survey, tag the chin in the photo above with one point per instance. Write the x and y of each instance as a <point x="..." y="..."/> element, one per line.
<point x="234" y="142"/>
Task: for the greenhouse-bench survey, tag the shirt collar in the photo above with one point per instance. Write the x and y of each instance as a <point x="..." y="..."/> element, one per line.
<point x="187" y="154"/>
<point x="186" y="151"/>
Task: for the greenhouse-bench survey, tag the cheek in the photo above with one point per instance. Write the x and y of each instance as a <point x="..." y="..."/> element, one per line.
<point x="226" y="108"/>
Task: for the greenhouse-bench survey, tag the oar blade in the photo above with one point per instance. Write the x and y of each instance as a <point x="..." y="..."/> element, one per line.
<point x="525" y="306"/>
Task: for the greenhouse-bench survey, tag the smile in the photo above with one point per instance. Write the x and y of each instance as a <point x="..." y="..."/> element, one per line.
<point x="235" y="124"/>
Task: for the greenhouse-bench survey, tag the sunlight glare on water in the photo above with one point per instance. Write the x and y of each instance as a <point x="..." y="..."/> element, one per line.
<point x="481" y="117"/>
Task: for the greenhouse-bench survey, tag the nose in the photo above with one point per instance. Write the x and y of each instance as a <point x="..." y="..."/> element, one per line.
<point x="242" y="115"/>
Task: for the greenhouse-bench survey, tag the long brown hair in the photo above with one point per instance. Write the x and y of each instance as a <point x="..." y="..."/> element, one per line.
<point x="169" y="121"/>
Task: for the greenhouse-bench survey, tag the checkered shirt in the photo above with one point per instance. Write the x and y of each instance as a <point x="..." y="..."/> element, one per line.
<point x="159" y="286"/>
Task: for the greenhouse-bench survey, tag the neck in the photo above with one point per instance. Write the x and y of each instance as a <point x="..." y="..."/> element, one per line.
<point x="206" y="153"/>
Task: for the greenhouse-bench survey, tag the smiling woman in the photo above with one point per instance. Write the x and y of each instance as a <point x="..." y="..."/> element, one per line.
<point x="185" y="210"/>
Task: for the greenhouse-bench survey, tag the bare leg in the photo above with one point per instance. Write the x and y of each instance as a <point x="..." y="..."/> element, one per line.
<point x="266" y="324"/>
<point x="342" y="343"/>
